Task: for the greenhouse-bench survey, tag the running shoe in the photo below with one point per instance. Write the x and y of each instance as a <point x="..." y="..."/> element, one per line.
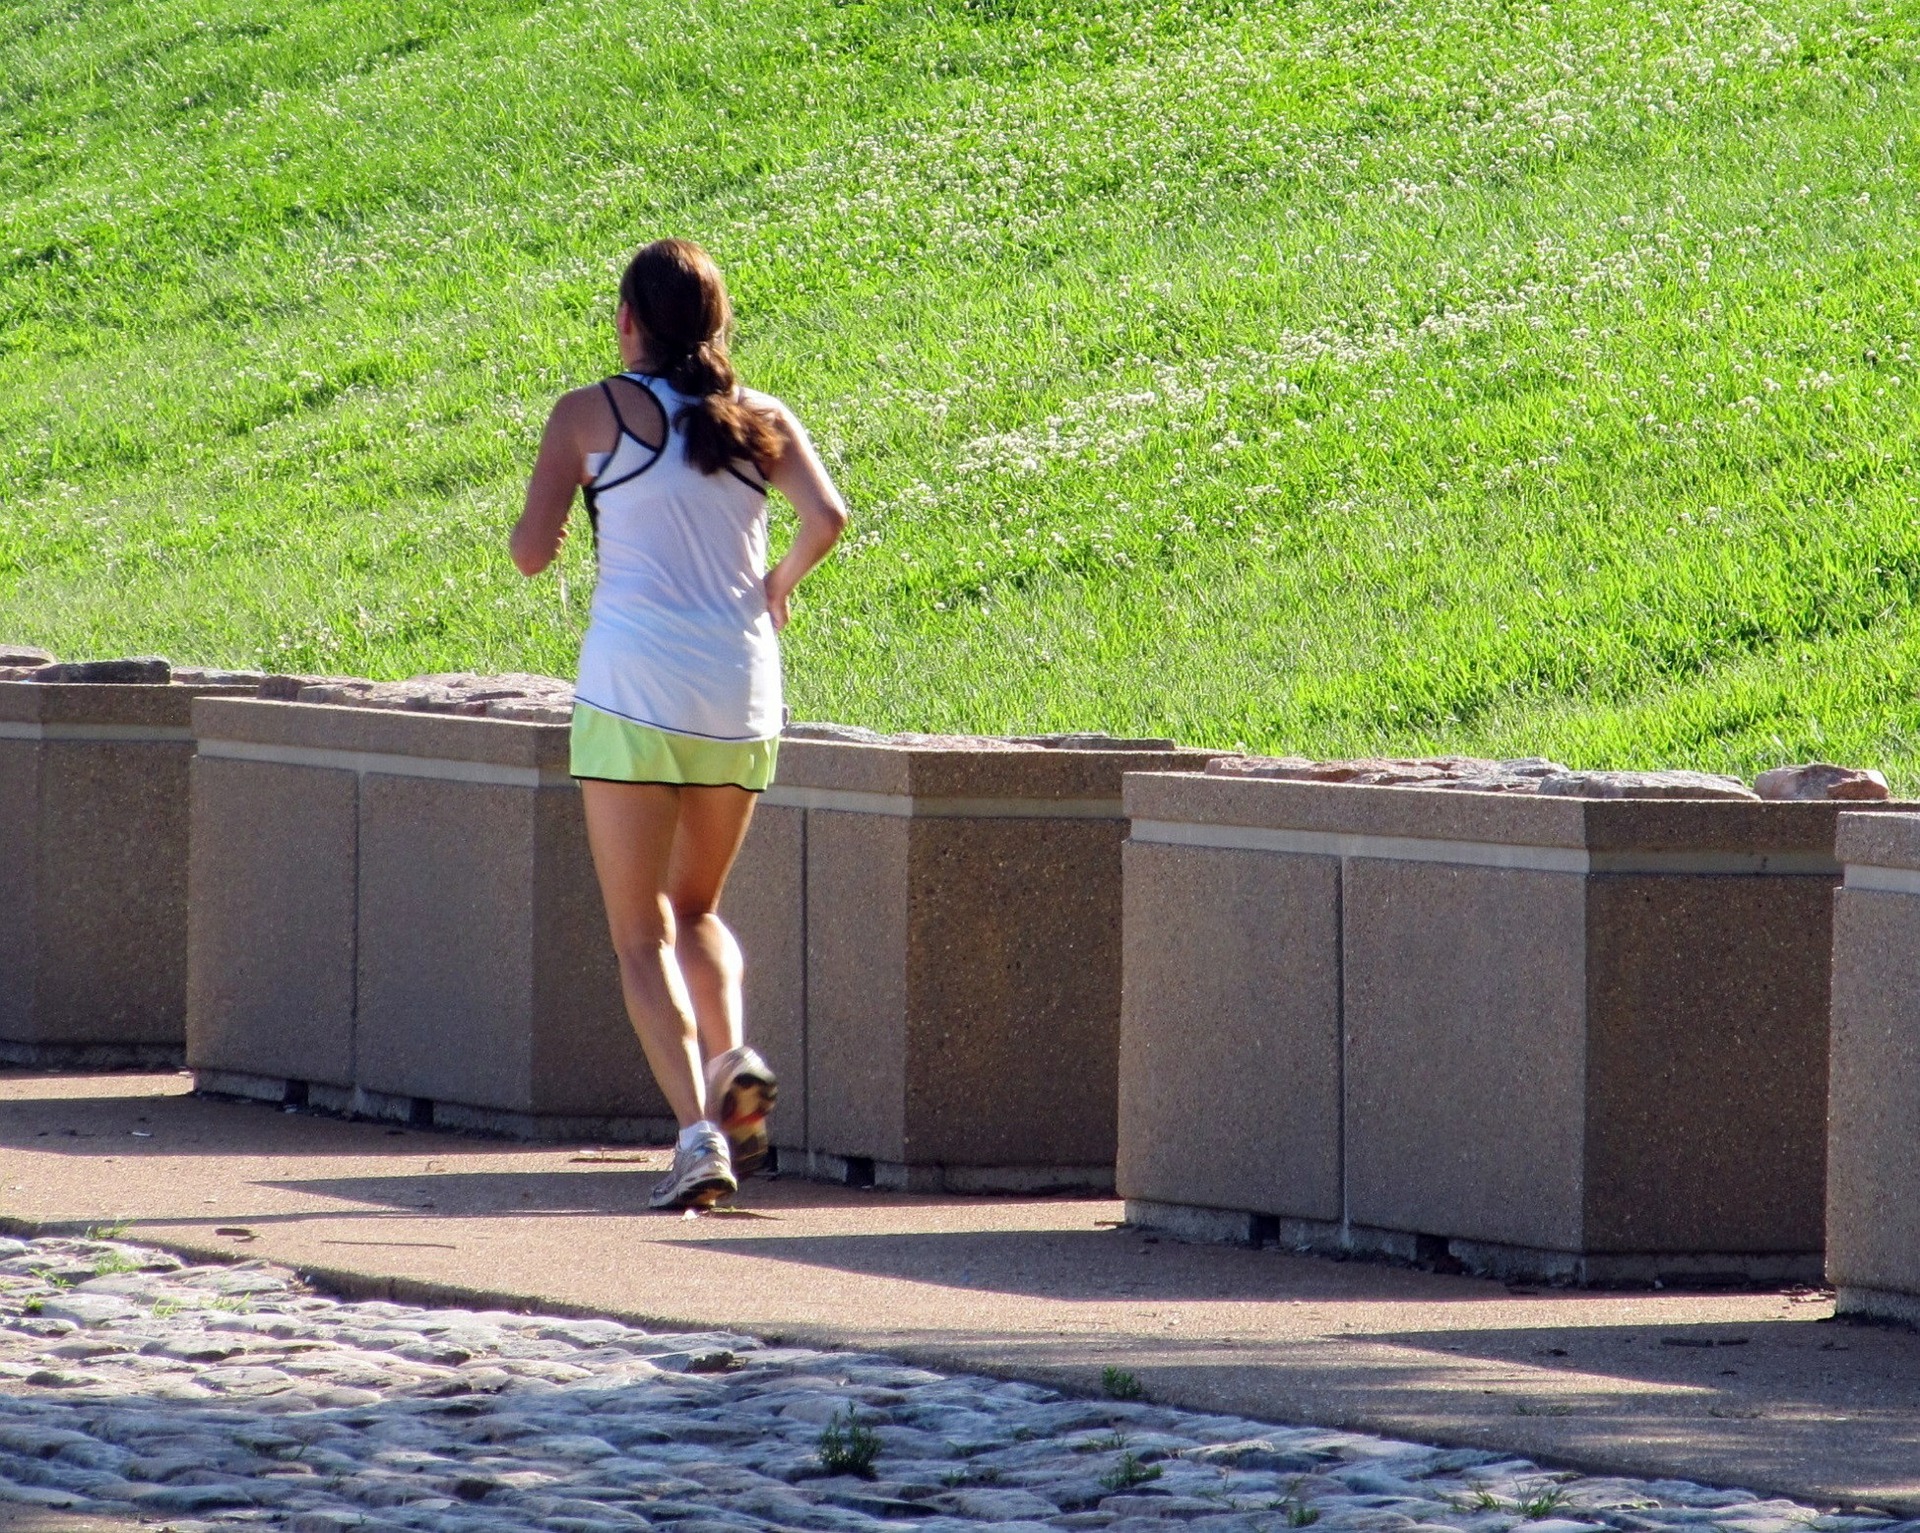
<point x="702" y="1173"/>
<point x="741" y="1092"/>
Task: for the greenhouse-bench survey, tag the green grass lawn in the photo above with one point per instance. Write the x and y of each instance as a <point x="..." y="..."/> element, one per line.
<point x="1328" y="376"/>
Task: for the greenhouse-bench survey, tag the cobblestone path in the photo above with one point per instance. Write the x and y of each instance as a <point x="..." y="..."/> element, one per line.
<point x="211" y="1396"/>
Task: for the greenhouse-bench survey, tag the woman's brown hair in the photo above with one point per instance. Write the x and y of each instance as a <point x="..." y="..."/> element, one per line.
<point x="674" y="292"/>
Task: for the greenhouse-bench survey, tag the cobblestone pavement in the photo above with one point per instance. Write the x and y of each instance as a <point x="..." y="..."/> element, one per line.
<point x="210" y="1396"/>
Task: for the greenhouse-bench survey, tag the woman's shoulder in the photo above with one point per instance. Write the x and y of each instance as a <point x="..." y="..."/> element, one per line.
<point x="760" y="399"/>
<point x="588" y="399"/>
<point x="786" y="424"/>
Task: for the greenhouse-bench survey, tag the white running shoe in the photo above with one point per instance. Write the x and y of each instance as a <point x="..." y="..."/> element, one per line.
<point x="741" y="1091"/>
<point x="702" y="1173"/>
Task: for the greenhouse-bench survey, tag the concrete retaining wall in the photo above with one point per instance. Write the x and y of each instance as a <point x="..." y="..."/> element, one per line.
<point x="1545" y="1037"/>
<point x="932" y="933"/>
<point x="396" y="914"/>
<point x="1873" y="1188"/>
<point x="93" y="873"/>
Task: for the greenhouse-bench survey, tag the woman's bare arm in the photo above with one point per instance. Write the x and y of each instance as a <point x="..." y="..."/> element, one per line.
<point x="803" y="479"/>
<point x="542" y="527"/>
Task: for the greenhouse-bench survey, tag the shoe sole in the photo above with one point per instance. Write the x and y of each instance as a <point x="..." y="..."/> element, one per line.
<point x="743" y="1119"/>
<point x="702" y="1194"/>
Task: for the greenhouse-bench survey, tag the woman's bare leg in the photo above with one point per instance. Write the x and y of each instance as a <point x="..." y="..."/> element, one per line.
<point x="631" y="828"/>
<point x="713" y="823"/>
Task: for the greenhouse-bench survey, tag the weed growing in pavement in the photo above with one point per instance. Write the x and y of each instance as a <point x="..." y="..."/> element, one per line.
<point x="33" y="1306"/>
<point x="162" y="1308"/>
<point x="847" y="1447"/>
<point x="1129" y="1472"/>
<point x="114" y="1231"/>
<point x="233" y="1304"/>
<point x="1299" y="1514"/>
<point x="1118" y="1384"/>
<point x="1544" y="1502"/>
<point x="111" y="1262"/>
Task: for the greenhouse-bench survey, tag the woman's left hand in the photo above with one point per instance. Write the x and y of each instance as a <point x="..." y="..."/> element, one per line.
<point x="779" y="594"/>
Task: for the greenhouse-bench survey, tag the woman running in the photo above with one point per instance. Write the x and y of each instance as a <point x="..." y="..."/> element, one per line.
<point x="677" y="714"/>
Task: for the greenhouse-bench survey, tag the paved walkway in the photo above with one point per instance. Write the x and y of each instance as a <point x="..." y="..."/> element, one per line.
<point x="1737" y="1389"/>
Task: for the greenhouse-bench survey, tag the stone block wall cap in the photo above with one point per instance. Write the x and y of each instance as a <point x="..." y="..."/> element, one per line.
<point x="24" y="655"/>
<point x="137" y="670"/>
<point x="1455" y="812"/>
<point x="116" y="706"/>
<point x="964" y="767"/>
<point x="1823" y="780"/>
<point x="324" y="734"/>
<point x="843" y="734"/>
<point x="857" y="734"/>
<point x="1879" y="836"/>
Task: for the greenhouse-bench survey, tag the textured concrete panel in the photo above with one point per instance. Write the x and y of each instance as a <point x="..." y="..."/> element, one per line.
<point x="765" y="904"/>
<point x="93" y="867"/>
<point x="1707" y="1063"/>
<point x="446" y="941"/>
<point x="113" y="893"/>
<point x="1873" y="1188"/>
<point x="1230" y="1031"/>
<point x="1013" y="977"/>
<point x="858" y="922"/>
<point x="1465" y="997"/>
<point x="19" y="884"/>
<point x="271" y="890"/>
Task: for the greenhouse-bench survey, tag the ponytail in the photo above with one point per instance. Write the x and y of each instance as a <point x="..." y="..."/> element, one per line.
<point x="674" y="292"/>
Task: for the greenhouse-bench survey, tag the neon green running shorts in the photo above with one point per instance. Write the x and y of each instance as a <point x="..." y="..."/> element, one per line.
<point x="611" y="749"/>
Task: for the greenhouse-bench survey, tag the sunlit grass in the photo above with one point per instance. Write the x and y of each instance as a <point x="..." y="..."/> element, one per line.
<point x="1326" y="377"/>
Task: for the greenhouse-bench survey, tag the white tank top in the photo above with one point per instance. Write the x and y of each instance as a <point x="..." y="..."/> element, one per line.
<point x="679" y="638"/>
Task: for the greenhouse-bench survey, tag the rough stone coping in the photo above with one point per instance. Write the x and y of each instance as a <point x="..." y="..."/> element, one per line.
<point x="1803" y="831"/>
<point x="110" y="705"/>
<point x="1823" y="780"/>
<point x="1456" y="773"/>
<point x="517" y="695"/>
<point x="1880" y="838"/>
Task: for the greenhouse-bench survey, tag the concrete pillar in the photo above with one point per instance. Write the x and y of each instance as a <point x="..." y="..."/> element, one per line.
<point x="93" y="873"/>
<point x="1546" y="1037"/>
<point x="395" y="914"/>
<point x="949" y="1017"/>
<point x="1873" y="1121"/>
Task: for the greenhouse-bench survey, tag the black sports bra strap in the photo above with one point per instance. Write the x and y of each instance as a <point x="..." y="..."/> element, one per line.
<point x="606" y="387"/>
